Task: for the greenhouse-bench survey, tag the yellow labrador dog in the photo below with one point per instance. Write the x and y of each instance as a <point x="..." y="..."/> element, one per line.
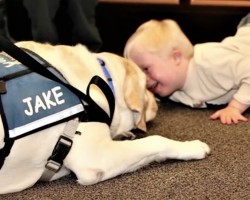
<point x="94" y="156"/>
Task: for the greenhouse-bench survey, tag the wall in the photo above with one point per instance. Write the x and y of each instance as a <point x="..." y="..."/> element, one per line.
<point x="117" y="21"/>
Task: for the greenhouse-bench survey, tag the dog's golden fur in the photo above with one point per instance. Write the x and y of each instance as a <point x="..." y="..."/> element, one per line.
<point x="95" y="156"/>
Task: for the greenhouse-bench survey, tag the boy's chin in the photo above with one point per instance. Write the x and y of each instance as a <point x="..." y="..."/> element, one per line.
<point x="163" y="94"/>
<point x="159" y="95"/>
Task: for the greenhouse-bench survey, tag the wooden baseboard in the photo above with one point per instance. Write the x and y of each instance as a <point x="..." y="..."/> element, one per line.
<point x="143" y="1"/>
<point x="238" y="3"/>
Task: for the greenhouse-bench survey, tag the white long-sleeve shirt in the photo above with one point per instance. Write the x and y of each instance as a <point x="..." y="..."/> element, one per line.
<point x="218" y="72"/>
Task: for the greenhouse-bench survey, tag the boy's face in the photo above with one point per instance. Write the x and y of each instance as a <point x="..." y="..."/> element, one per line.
<point x="160" y="72"/>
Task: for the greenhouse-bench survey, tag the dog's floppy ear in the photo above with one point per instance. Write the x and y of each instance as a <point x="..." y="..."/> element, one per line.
<point x="134" y="94"/>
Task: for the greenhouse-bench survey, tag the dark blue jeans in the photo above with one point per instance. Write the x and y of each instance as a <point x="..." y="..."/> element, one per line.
<point x="244" y="21"/>
<point x="82" y="27"/>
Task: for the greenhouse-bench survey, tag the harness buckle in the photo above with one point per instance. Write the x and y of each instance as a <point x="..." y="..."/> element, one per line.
<point x="65" y="141"/>
<point x="60" y="151"/>
<point x="53" y="166"/>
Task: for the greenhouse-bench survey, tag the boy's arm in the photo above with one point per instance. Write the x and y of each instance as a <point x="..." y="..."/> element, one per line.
<point x="240" y="106"/>
<point x="241" y="99"/>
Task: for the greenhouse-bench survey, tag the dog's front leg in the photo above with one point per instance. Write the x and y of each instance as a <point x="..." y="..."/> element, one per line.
<point x="127" y="156"/>
<point x="104" y="158"/>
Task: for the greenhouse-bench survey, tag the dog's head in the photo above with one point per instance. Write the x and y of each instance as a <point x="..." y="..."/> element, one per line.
<point x="135" y="105"/>
<point x="139" y="100"/>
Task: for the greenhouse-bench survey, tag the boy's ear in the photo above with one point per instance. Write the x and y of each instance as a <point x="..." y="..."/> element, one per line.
<point x="177" y="56"/>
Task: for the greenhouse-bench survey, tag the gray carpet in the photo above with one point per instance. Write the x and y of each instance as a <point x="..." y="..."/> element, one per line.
<point x="224" y="174"/>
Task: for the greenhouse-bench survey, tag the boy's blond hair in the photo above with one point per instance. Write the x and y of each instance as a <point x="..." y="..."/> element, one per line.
<point x="160" y="37"/>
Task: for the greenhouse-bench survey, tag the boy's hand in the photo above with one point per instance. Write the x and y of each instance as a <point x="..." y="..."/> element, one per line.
<point x="232" y="113"/>
<point x="229" y="115"/>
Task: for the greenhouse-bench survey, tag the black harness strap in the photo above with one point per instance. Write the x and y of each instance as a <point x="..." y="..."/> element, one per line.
<point x="5" y="151"/>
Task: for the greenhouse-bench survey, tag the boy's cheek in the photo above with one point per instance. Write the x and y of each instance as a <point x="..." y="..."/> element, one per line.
<point x="149" y="80"/>
<point x="148" y="84"/>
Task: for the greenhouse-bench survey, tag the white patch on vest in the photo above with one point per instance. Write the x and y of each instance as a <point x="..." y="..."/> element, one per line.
<point x="39" y="104"/>
<point x="44" y="102"/>
<point x="8" y="63"/>
<point x="57" y="95"/>
<point x="47" y="99"/>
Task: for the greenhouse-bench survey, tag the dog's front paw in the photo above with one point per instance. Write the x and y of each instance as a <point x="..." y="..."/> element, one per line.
<point x="193" y="150"/>
<point x="125" y="136"/>
<point x="89" y="176"/>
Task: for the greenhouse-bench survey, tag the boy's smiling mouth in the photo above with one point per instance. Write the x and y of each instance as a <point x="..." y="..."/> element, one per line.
<point x="153" y="87"/>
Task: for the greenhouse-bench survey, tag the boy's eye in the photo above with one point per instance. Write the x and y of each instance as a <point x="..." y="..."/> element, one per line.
<point x="144" y="68"/>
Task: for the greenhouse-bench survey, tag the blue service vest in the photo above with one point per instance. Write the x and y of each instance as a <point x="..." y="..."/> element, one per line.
<point x="33" y="101"/>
